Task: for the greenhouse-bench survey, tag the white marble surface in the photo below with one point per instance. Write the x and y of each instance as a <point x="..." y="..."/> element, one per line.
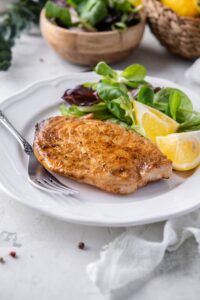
<point x="50" y="266"/>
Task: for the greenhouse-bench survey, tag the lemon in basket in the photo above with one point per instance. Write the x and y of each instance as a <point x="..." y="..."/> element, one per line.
<point x="154" y="122"/>
<point x="187" y="8"/>
<point x="183" y="149"/>
<point x="136" y="2"/>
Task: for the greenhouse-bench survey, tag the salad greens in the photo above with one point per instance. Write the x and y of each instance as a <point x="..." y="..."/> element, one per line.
<point x="116" y="92"/>
<point x="53" y="10"/>
<point x="92" y="11"/>
<point x="93" y="15"/>
<point x="134" y="73"/>
<point x="146" y="95"/>
<point x="174" y="103"/>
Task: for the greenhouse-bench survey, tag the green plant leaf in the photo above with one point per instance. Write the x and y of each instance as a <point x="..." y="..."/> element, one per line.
<point x="146" y="95"/>
<point x="192" y="122"/>
<point x="120" y="109"/>
<point x="60" y="14"/>
<point x="174" y="103"/>
<point x="121" y="5"/>
<point x="91" y="85"/>
<point x="99" y="111"/>
<point x="105" y="70"/>
<point x="162" y="102"/>
<point x="74" y="3"/>
<point x="92" y="11"/>
<point x="136" y="84"/>
<point x="117" y="101"/>
<point x="120" y="26"/>
<point x="134" y="72"/>
<point x="93" y="108"/>
<point x="108" y="91"/>
<point x="71" y="111"/>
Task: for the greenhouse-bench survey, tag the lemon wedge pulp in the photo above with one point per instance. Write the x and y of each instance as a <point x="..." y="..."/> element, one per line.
<point x="187" y="8"/>
<point x="183" y="149"/>
<point x="153" y="121"/>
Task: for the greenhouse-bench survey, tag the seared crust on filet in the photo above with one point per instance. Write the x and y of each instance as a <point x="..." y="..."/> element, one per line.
<point x="99" y="153"/>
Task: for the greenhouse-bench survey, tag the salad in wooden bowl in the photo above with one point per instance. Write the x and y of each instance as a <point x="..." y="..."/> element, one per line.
<point x="87" y="31"/>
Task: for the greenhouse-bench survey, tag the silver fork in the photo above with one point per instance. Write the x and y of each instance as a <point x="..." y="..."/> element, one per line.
<point x="37" y="174"/>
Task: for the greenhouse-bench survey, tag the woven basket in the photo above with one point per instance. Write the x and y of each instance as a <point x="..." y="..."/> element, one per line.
<point x="180" y="35"/>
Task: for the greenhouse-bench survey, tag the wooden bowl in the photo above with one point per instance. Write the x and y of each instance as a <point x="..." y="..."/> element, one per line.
<point x="88" y="48"/>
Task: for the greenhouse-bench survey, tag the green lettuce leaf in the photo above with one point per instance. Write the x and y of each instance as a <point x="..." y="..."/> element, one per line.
<point x="92" y="11"/>
<point x="60" y="14"/>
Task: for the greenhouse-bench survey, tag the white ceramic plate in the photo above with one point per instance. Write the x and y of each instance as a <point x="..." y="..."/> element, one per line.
<point x="155" y="202"/>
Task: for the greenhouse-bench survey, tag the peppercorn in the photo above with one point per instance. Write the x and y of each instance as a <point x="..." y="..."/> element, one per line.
<point x="13" y="254"/>
<point x="81" y="245"/>
<point x="2" y="261"/>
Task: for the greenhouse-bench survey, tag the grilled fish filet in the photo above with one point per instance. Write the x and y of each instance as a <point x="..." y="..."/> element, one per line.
<point x="99" y="153"/>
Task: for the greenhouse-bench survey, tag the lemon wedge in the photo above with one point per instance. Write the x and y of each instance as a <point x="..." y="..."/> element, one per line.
<point x="187" y="8"/>
<point x="183" y="149"/>
<point x="153" y="121"/>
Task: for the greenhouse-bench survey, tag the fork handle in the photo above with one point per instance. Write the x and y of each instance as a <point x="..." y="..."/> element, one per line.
<point x="25" y="145"/>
